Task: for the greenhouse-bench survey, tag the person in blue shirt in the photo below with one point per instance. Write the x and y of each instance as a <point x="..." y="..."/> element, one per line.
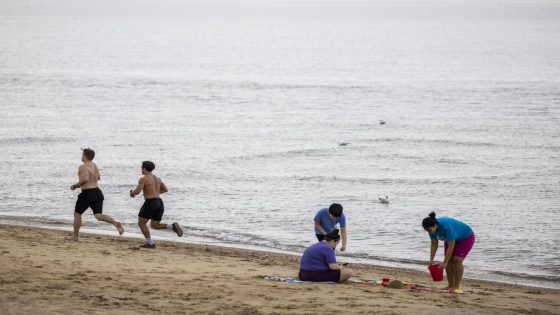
<point x="326" y="220"/>
<point x="318" y="262"/>
<point x="459" y="239"/>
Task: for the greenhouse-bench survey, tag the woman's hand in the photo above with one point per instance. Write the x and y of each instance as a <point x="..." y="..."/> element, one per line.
<point x="442" y="265"/>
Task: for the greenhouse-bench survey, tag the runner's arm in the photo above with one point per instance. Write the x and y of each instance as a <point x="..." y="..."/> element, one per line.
<point x="138" y="189"/>
<point x="83" y="178"/>
<point x="163" y="188"/>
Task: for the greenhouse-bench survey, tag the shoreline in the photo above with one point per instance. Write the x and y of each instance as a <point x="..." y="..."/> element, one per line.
<point x="100" y="274"/>
<point x="532" y="281"/>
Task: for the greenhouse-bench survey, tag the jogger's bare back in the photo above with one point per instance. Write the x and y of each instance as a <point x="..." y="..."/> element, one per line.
<point x="92" y="176"/>
<point x="152" y="186"/>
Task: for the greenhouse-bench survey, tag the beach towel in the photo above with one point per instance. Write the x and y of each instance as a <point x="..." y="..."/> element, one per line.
<point x="405" y="285"/>
<point x="364" y="281"/>
<point x="436" y="290"/>
<point x="292" y="280"/>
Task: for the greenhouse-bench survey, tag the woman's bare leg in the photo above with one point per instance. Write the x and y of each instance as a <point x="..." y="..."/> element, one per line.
<point x="450" y="271"/>
<point x="458" y="270"/>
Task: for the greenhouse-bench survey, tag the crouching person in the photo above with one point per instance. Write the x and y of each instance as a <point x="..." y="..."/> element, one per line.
<point x="319" y="261"/>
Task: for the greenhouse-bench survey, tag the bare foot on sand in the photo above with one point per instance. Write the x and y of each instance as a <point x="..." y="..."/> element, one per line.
<point x="120" y="228"/>
<point x="71" y="238"/>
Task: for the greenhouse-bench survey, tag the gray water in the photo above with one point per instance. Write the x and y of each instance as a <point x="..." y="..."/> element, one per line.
<point x="243" y="107"/>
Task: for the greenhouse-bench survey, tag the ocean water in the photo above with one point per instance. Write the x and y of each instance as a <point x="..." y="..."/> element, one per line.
<point x="243" y="106"/>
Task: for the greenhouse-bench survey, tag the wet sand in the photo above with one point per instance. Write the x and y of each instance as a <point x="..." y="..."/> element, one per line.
<point x="41" y="273"/>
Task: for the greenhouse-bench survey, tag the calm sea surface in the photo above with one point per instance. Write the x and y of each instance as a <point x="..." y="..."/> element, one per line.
<point x="243" y="107"/>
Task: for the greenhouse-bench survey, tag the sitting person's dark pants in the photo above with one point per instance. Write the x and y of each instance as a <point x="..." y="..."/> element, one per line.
<point x="319" y="276"/>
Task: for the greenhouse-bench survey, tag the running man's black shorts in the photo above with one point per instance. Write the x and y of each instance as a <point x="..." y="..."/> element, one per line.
<point x="152" y="209"/>
<point x="90" y="198"/>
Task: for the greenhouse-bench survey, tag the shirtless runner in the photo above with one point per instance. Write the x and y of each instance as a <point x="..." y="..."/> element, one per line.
<point x="152" y="209"/>
<point x="91" y="196"/>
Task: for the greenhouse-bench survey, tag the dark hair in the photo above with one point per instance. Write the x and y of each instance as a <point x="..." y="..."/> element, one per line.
<point x="429" y="221"/>
<point x="148" y="166"/>
<point x="88" y="153"/>
<point x="332" y="236"/>
<point x="336" y="210"/>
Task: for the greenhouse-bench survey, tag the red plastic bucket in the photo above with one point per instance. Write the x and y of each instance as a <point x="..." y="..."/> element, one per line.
<point x="436" y="272"/>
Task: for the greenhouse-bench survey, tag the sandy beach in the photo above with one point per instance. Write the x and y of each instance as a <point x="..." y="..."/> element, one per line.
<point x="41" y="273"/>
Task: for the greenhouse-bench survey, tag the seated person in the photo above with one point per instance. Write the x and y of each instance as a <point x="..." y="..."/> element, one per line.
<point x="319" y="261"/>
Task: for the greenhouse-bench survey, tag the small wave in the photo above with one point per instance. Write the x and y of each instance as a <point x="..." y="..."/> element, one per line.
<point x="452" y="161"/>
<point x="381" y="180"/>
<point x="404" y="261"/>
<point x="549" y="278"/>
<point x="336" y="150"/>
<point x="32" y="220"/>
<point x="242" y="238"/>
<point x="465" y="143"/>
<point x="289" y="153"/>
<point x="33" y="140"/>
<point x="329" y="87"/>
<point x="143" y="82"/>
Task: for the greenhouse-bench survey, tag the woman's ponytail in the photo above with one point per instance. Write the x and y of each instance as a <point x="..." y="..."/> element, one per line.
<point x="429" y="221"/>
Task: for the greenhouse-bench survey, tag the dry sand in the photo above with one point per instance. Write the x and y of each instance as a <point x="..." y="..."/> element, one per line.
<point x="40" y="273"/>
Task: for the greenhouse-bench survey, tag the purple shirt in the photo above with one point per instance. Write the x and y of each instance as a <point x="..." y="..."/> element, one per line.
<point x="317" y="257"/>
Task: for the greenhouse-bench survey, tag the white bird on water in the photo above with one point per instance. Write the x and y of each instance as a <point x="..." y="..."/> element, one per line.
<point x="384" y="200"/>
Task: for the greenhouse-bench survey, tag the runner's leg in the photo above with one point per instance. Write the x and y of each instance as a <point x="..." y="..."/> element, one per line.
<point x="109" y="219"/>
<point x="77" y="225"/>
<point x="159" y="226"/>
<point x="142" y="223"/>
